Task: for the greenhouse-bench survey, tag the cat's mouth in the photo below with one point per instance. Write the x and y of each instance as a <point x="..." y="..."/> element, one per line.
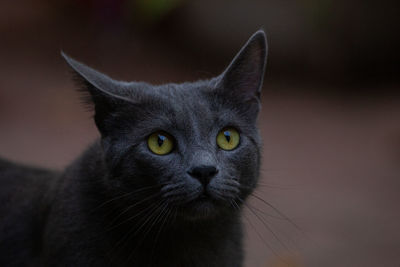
<point x="201" y="205"/>
<point x="201" y="208"/>
<point x="204" y="196"/>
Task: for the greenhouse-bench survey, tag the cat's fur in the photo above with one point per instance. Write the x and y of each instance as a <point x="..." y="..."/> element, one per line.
<point x="120" y="204"/>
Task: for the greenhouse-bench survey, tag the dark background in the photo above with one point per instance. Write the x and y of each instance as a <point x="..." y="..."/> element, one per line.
<point x="331" y="106"/>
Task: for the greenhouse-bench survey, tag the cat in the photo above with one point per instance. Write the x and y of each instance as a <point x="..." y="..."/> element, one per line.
<point x="163" y="186"/>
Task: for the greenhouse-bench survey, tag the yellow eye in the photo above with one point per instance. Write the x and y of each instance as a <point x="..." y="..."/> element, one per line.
<point x="228" y="138"/>
<point x="160" y="143"/>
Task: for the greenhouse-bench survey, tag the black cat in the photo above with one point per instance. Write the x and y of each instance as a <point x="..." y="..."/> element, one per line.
<point x="163" y="186"/>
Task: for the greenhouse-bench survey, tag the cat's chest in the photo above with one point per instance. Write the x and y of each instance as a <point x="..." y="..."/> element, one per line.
<point x="183" y="257"/>
<point x="178" y="251"/>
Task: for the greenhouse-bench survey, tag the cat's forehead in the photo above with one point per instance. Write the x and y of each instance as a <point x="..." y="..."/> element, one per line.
<point x="192" y="109"/>
<point x="188" y="101"/>
<point x="174" y="95"/>
<point x="184" y="91"/>
<point x="189" y="106"/>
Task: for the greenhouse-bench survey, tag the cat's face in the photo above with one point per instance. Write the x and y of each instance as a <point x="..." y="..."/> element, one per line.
<point x="196" y="144"/>
<point x="199" y="172"/>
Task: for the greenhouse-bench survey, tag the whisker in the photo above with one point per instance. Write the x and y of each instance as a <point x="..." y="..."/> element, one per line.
<point x="268" y="227"/>
<point x="163" y="208"/>
<point x="169" y="186"/>
<point x="129" y="208"/>
<point x="233" y="205"/>
<point x="180" y="197"/>
<point x="159" y="205"/>
<point x="263" y="240"/>
<point x="173" y="193"/>
<point x="124" y="195"/>
<point x="236" y="204"/>
<point x="166" y="217"/>
<point x="153" y="219"/>
<point x="286" y="218"/>
<point x="111" y="200"/>
<point x="128" y="235"/>
<point x="265" y="213"/>
<point x="280" y="187"/>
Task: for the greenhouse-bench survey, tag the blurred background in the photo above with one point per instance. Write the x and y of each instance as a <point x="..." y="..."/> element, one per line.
<point x="331" y="105"/>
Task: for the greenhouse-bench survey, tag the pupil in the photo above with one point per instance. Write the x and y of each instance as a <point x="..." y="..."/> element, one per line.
<point x="160" y="140"/>
<point x="227" y="136"/>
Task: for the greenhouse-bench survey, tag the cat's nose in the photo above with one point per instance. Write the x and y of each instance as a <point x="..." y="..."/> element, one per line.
<point x="203" y="173"/>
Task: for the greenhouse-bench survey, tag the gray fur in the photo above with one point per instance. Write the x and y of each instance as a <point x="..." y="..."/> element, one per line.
<point x="107" y="184"/>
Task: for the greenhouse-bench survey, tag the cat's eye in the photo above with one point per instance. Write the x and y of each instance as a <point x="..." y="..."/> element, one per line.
<point x="228" y="138"/>
<point x="160" y="143"/>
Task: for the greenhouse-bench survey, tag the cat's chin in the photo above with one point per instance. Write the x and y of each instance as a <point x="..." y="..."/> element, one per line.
<point x="201" y="209"/>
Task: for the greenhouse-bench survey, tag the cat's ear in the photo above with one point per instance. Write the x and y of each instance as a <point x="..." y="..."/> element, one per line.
<point x="100" y="91"/>
<point x="244" y="76"/>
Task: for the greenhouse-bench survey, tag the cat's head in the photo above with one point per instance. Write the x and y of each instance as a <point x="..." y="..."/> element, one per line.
<point x="195" y="144"/>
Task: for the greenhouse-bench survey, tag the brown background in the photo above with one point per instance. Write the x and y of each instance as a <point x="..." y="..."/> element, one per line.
<point x="331" y="107"/>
